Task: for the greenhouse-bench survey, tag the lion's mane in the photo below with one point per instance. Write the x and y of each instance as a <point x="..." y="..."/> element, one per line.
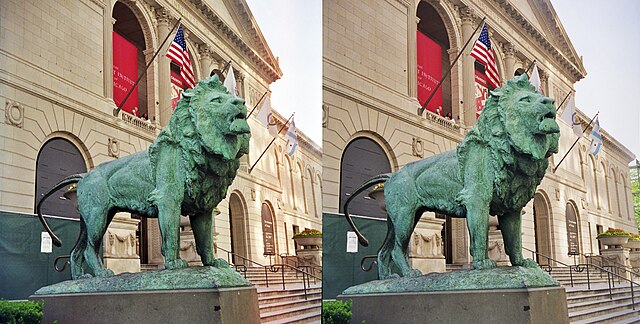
<point x="490" y="131"/>
<point x="181" y="132"/>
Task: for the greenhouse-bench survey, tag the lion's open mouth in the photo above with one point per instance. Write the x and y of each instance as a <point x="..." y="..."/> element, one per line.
<point x="548" y="124"/>
<point x="239" y="125"/>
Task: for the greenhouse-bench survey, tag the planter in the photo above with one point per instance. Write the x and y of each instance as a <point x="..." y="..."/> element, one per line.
<point x="309" y="241"/>
<point x="632" y="245"/>
<point x="378" y="196"/>
<point x="614" y="240"/>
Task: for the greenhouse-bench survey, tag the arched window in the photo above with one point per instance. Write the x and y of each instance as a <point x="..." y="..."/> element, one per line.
<point x="432" y="45"/>
<point x="590" y="182"/>
<point x="286" y="182"/>
<point x="573" y="226"/>
<point x="362" y="159"/>
<point x="237" y="227"/>
<point x="268" y="229"/>
<point x="57" y="159"/>
<point x="299" y="188"/>
<point x="129" y="61"/>
<point x="309" y="193"/>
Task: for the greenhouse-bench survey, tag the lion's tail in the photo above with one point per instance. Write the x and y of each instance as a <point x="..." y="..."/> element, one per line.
<point x="381" y="178"/>
<point x="64" y="182"/>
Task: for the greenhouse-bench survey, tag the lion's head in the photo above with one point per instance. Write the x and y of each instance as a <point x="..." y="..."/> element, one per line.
<point x="518" y="115"/>
<point x="209" y="120"/>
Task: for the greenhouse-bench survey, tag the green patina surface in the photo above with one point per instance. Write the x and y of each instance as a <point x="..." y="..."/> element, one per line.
<point x="186" y="171"/>
<point x="498" y="278"/>
<point x="494" y="171"/>
<point x="187" y="278"/>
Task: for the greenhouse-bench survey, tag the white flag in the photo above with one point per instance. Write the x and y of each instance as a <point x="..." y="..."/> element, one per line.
<point x="292" y="139"/>
<point x="596" y="138"/>
<point x="265" y="116"/>
<point x="230" y="81"/>
<point x="535" y="79"/>
<point x="570" y="117"/>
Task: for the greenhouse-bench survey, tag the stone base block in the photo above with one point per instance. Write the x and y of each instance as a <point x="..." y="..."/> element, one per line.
<point x="532" y="305"/>
<point x="223" y="305"/>
<point x="428" y="265"/>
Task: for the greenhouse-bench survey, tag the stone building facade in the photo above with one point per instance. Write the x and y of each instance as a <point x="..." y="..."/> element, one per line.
<point x="371" y="126"/>
<point x="57" y="92"/>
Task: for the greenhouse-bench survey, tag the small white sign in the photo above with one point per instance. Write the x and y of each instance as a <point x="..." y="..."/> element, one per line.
<point x="352" y="242"/>
<point x="46" y="245"/>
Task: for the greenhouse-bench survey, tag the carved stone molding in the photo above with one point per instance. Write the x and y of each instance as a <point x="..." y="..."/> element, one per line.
<point x="418" y="147"/>
<point x="509" y="50"/>
<point x="279" y="203"/>
<point x="14" y="114"/>
<point x="467" y="15"/>
<point x="205" y="51"/>
<point x="325" y="116"/>
<point x="114" y="148"/>
<point x="557" y="194"/>
<point x="163" y="15"/>
<point x="253" y="194"/>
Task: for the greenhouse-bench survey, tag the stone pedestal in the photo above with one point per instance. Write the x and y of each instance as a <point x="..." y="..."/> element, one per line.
<point x="120" y="244"/>
<point x="309" y="251"/>
<point x="634" y="259"/>
<point x="496" y="244"/>
<point x="619" y="255"/>
<point x="425" y="248"/>
<point x="223" y="305"/>
<point x="523" y="305"/>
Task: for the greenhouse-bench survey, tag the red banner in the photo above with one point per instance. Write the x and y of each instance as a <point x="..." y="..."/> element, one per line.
<point x="176" y="88"/>
<point x="429" y="61"/>
<point x="125" y="73"/>
<point x="482" y="91"/>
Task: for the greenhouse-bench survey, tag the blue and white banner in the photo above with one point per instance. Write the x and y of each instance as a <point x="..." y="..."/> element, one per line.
<point x="292" y="139"/>
<point x="596" y="138"/>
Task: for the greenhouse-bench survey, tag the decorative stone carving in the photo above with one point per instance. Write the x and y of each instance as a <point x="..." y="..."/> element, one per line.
<point x="509" y="50"/>
<point x="427" y="246"/>
<point x="205" y="51"/>
<point x="120" y="245"/>
<point x="557" y="194"/>
<point x="162" y="15"/>
<point x="14" y="114"/>
<point x="253" y="194"/>
<point x="325" y="116"/>
<point x="467" y="15"/>
<point x="114" y="148"/>
<point x="418" y="147"/>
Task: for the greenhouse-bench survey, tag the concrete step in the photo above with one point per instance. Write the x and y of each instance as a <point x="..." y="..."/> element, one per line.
<point x="602" y="302"/>
<point x="607" y="312"/>
<point x="277" y="304"/>
<point x="627" y="315"/>
<point x="286" y="296"/>
<point x="289" y="312"/>
<point x="601" y="296"/>
<point x="309" y="317"/>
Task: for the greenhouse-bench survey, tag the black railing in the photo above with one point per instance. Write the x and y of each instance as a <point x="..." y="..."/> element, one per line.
<point x="274" y="268"/>
<point x="580" y="267"/>
<point x="364" y="259"/>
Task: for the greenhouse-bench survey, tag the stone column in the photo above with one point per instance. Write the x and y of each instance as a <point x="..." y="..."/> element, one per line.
<point x="240" y="84"/>
<point x="107" y="45"/>
<point x="152" y="108"/>
<point x="457" y="109"/>
<point x="468" y="69"/>
<point x="425" y="247"/>
<point x="509" y="60"/>
<point x="412" y="67"/>
<point x="164" y="70"/>
<point x="206" y="57"/>
<point x="544" y="80"/>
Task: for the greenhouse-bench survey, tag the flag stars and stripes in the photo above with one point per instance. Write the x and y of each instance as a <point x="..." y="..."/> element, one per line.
<point x="179" y="54"/>
<point x="483" y="53"/>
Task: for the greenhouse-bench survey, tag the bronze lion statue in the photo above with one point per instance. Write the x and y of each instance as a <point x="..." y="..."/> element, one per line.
<point x="494" y="171"/>
<point x="186" y="171"/>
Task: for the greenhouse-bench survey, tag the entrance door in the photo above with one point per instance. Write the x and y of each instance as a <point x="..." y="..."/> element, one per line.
<point x="542" y="225"/>
<point x="237" y="215"/>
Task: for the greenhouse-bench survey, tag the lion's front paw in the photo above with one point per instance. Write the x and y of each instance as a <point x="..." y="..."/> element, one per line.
<point x="484" y="264"/>
<point x="176" y="264"/>
<point x="218" y="263"/>
<point x="413" y="273"/>
<point x="528" y="263"/>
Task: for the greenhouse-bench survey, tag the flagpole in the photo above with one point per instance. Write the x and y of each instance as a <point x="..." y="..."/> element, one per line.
<point x="273" y="140"/>
<point x="565" y="99"/>
<point x="424" y="106"/>
<point x="576" y="142"/>
<point x="117" y="110"/>
<point x="529" y="68"/>
<point x="256" y="106"/>
<point x="225" y="67"/>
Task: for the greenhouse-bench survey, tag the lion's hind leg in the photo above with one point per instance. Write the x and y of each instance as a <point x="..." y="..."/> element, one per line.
<point x="384" y="255"/>
<point x="97" y="219"/>
<point x="77" y="253"/>
<point x="405" y="221"/>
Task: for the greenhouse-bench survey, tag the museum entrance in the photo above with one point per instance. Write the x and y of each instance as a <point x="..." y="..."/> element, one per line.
<point x="237" y="215"/>
<point x="542" y="225"/>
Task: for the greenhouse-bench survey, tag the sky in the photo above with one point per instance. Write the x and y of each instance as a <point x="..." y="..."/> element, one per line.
<point x="607" y="35"/>
<point x="293" y="30"/>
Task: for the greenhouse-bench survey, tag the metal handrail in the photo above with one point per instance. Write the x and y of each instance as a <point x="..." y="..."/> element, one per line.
<point x="364" y="259"/>
<point x="611" y="276"/>
<point x="306" y="282"/>
<point x="618" y="266"/>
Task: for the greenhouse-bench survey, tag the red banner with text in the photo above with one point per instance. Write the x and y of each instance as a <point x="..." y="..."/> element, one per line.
<point x="125" y="73"/>
<point x="429" y="61"/>
<point x="176" y="88"/>
<point x="482" y="91"/>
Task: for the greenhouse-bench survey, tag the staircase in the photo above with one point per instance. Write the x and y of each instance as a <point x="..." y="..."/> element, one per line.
<point x="288" y="304"/>
<point x="597" y="305"/>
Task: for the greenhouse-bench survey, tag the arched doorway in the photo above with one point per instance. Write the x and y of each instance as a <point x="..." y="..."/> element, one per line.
<point x="362" y="159"/>
<point x="573" y="228"/>
<point x="542" y="226"/>
<point x="237" y="228"/>
<point x="268" y="230"/>
<point x="129" y="61"/>
<point x="57" y="159"/>
<point x="432" y="60"/>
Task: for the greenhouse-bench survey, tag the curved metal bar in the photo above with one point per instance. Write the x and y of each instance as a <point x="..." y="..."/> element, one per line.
<point x="364" y="259"/>
<point x="64" y="266"/>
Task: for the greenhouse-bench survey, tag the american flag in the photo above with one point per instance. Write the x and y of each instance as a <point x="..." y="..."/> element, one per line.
<point x="483" y="53"/>
<point x="179" y="54"/>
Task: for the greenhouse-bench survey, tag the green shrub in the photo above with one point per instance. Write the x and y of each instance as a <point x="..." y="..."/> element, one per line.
<point x="309" y="233"/>
<point x="634" y="237"/>
<point x="613" y="232"/>
<point x="20" y="312"/>
<point x="336" y="312"/>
